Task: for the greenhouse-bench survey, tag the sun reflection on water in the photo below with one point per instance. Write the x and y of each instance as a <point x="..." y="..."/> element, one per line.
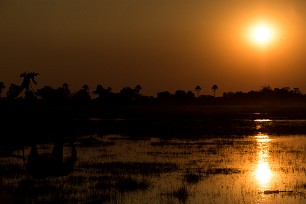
<point x="263" y="173"/>
<point x="262" y="120"/>
<point x="263" y="170"/>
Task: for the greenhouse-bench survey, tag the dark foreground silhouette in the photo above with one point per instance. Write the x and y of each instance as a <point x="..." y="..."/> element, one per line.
<point x="54" y="164"/>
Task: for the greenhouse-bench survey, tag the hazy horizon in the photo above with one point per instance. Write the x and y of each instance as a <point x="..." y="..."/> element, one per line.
<point x="161" y="45"/>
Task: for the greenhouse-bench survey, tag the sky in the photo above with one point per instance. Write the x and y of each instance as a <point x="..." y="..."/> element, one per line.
<point x="160" y="45"/>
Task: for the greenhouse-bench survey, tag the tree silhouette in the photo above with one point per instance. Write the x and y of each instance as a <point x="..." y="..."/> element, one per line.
<point x="164" y="96"/>
<point x="13" y="91"/>
<point x="46" y="93"/>
<point x="197" y="89"/>
<point x="215" y="88"/>
<point x="103" y="95"/>
<point x="137" y="94"/>
<point x="65" y="86"/>
<point x="129" y="95"/>
<point x="82" y="96"/>
<point x="26" y="83"/>
<point x="51" y="95"/>
<point x="2" y="86"/>
<point x="296" y="91"/>
<point x="85" y="88"/>
<point x="137" y="89"/>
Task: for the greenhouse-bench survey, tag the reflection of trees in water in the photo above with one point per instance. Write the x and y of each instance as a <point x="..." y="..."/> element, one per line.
<point x="54" y="164"/>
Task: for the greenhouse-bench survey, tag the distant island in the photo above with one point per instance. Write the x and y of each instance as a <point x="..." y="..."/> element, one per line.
<point x="25" y="93"/>
<point x="36" y="115"/>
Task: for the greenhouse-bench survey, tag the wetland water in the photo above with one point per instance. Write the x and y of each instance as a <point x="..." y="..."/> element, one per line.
<point x="264" y="167"/>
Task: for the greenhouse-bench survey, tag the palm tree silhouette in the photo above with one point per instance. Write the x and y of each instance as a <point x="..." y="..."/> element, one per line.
<point x="2" y="86"/>
<point x="26" y="83"/>
<point x="215" y="88"/>
<point x="197" y="89"/>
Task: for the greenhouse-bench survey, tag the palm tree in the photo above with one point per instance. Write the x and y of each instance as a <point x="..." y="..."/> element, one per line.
<point x="197" y="89"/>
<point x="26" y="83"/>
<point x="27" y="78"/>
<point x="2" y="86"/>
<point x="215" y="88"/>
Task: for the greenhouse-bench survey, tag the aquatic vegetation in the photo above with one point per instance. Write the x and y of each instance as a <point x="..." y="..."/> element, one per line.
<point x="199" y="170"/>
<point x="192" y="177"/>
<point x="181" y="193"/>
<point x="223" y="171"/>
<point x="130" y="184"/>
<point x="140" y="168"/>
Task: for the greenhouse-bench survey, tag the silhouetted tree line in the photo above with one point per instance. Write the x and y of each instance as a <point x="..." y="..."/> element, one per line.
<point x="62" y="95"/>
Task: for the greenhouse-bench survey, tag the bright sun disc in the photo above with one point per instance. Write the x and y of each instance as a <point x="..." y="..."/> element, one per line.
<point x="262" y="34"/>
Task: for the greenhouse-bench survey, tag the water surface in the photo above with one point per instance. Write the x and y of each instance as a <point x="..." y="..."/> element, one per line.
<point x="116" y="168"/>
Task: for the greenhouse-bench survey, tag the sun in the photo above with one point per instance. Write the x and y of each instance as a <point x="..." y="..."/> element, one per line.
<point x="262" y="34"/>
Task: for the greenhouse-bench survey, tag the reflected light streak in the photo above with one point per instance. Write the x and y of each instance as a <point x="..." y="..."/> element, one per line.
<point x="262" y="120"/>
<point x="263" y="171"/>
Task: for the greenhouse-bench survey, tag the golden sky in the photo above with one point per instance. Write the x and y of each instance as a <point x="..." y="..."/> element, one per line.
<point x="161" y="44"/>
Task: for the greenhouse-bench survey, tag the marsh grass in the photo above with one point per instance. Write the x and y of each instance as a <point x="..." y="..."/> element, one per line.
<point x="140" y="168"/>
<point x="207" y="170"/>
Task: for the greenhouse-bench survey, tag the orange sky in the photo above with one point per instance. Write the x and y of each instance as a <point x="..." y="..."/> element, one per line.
<point x="161" y="45"/>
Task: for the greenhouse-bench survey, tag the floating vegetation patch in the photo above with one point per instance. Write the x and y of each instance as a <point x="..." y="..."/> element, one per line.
<point x="192" y="178"/>
<point x="130" y="184"/>
<point x="142" y="168"/>
<point x="169" y="154"/>
<point x="180" y="143"/>
<point x="181" y="193"/>
<point x="223" y="171"/>
<point x="192" y="143"/>
<point x="224" y="142"/>
<point x="303" y="185"/>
